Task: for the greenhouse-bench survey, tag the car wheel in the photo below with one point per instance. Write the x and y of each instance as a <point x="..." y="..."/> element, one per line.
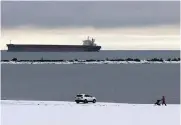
<point x="85" y="101"/>
<point x="94" y="101"/>
<point x="77" y="101"/>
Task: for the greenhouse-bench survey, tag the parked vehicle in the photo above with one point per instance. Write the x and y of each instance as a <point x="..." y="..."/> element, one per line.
<point x="85" y="98"/>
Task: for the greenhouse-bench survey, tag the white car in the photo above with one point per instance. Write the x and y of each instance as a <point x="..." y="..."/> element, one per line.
<point x="84" y="98"/>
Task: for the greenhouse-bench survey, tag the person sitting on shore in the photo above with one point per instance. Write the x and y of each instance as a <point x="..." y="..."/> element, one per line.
<point x="157" y="102"/>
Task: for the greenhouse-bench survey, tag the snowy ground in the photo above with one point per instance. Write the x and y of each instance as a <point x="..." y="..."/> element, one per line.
<point x="70" y="113"/>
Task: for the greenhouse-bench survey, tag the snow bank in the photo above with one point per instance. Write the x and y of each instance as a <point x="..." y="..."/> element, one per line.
<point x="70" y="113"/>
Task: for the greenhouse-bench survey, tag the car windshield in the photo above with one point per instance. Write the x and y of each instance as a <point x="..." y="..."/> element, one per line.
<point x="79" y="95"/>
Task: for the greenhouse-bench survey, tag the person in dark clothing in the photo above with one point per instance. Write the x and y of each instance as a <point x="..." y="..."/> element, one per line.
<point x="157" y="102"/>
<point x="163" y="101"/>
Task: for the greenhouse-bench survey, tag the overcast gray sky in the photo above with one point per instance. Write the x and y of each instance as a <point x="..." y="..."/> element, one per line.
<point x="114" y="25"/>
<point x="95" y="14"/>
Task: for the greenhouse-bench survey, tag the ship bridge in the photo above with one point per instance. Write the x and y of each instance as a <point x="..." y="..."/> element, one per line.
<point x="89" y="42"/>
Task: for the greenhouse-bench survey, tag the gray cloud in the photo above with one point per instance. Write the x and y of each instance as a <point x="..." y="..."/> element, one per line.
<point x="95" y="14"/>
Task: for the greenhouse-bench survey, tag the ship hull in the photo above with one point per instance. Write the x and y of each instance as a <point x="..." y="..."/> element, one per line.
<point x="52" y="48"/>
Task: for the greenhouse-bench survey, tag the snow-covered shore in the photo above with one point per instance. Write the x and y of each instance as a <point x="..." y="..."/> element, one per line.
<point x="69" y="113"/>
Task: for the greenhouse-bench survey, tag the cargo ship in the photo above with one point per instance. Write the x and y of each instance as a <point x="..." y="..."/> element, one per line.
<point x="88" y="46"/>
